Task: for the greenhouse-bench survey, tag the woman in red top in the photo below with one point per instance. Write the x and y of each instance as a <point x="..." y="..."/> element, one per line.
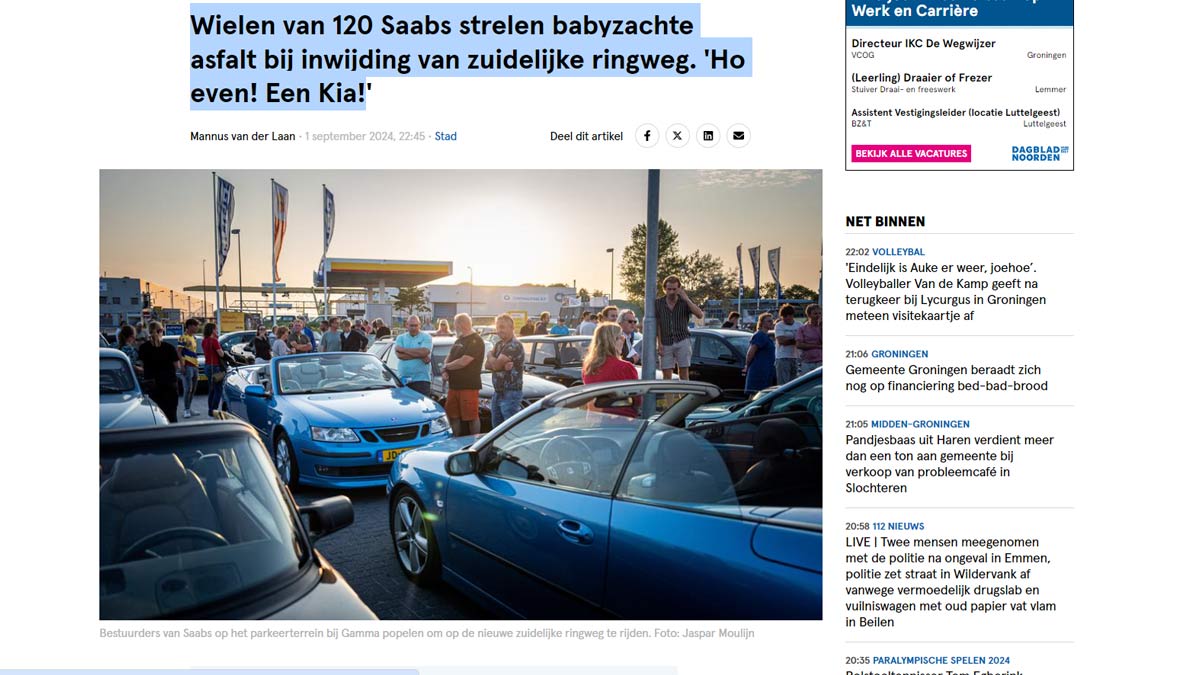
<point x="604" y="363"/>
<point x="214" y="362"/>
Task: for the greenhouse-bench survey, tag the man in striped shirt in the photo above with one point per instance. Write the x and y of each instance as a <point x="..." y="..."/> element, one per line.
<point x="672" y="312"/>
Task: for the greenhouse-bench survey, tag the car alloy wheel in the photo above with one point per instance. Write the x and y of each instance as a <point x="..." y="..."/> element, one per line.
<point x="285" y="462"/>
<point x="415" y="546"/>
<point x="412" y="541"/>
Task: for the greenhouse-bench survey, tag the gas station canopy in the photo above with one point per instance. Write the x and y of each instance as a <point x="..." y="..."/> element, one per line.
<point x="365" y="273"/>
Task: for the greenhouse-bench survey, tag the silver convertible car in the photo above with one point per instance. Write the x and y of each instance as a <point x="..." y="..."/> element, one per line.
<point x="122" y="403"/>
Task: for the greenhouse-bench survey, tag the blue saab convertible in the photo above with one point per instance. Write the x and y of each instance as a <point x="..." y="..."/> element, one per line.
<point x="598" y="502"/>
<point x="334" y="420"/>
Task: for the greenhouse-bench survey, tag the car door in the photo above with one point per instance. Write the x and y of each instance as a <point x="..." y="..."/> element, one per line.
<point x="539" y="547"/>
<point x="724" y="363"/>
<point x="234" y="393"/>
<point x="685" y="545"/>
<point x="715" y="361"/>
<point x="258" y="408"/>
<point x="703" y="367"/>
<point x="536" y="359"/>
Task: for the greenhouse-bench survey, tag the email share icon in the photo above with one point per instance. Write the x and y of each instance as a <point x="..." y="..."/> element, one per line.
<point x="739" y="135"/>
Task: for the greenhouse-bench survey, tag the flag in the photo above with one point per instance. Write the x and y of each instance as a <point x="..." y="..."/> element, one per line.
<point x="328" y="219"/>
<point x="773" y="264"/>
<point x="754" y="265"/>
<point x="739" y="257"/>
<point x="279" y="209"/>
<point x="224" y="221"/>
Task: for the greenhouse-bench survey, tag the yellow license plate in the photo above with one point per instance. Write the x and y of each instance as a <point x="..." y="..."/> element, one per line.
<point x="389" y="455"/>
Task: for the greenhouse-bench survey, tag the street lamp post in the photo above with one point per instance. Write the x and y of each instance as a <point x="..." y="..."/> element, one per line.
<point x="471" y="304"/>
<point x="203" y="283"/>
<point x="241" y="300"/>
<point x="612" y="274"/>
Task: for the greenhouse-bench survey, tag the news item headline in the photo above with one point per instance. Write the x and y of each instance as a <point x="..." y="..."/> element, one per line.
<point x="319" y="56"/>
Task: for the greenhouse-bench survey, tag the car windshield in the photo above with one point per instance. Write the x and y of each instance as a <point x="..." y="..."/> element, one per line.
<point x="438" y="356"/>
<point x="741" y="342"/>
<point x="333" y="372"/>
<point x="440" y="352"/>
<point x="580" y="443"/>
<point x="380" y="348"/>
<point x="115" y="376"/>
<point x="573" y="351"/>
<point x="190" y="524"/>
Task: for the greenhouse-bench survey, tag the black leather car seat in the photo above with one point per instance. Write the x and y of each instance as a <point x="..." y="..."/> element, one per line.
<point x="789" y="471"/>
<point x="681" y="467"/>
<point x="147" y="494"/>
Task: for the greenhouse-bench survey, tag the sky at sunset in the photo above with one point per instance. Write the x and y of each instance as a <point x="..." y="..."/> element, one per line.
<point x="512" y="227"/>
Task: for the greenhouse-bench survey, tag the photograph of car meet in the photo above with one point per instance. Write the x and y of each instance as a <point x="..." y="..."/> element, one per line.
<point x="540" y="405"/>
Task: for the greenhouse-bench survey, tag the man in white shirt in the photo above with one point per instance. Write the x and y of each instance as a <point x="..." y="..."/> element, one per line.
<point x="786" y="354"/>
<point x="628" y="322"/>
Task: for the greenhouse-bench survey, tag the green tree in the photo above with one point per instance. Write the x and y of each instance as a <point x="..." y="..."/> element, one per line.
<point x="632" y="268"/>
<point x="584" y="296"/>
<point x="705" y="278"/>
<point x="796" y="291"/>
<point x="410" y="300"/>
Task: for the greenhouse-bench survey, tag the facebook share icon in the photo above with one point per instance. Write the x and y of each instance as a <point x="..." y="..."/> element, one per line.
<point x="646" y="135"/>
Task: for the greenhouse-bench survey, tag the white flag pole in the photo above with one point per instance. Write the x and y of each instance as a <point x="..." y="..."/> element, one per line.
<point x="217" y="252"/>
<point x="274" y="272"/>
<point x="324" y="248"/>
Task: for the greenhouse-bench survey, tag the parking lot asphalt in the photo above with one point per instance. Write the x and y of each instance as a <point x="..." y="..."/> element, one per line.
<point x="363" y="554"/>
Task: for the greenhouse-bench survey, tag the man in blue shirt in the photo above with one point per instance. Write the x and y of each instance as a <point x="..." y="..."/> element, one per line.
<point x="413" y="349"/>
<point x="560" y="328"/>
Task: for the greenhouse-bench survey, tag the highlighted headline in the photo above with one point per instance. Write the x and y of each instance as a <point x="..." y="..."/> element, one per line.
<point x="320" y="56"/>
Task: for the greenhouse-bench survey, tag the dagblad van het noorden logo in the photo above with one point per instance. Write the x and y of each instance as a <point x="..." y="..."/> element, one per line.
<point x="1039" y="153"/>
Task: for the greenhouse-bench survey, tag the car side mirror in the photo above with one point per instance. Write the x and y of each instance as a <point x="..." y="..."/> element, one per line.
<point x="326" y="516"/>
<point x="755" y="410"/>
<point x="256" y="390"/>
<point x="462" y="463"/>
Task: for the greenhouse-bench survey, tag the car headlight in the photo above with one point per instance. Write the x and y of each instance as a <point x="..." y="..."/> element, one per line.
<point x="439" y="424"/>
<point x="334" y="435"/>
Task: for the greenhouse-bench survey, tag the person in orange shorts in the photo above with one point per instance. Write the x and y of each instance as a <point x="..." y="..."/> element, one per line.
<point x="462" y="369"/>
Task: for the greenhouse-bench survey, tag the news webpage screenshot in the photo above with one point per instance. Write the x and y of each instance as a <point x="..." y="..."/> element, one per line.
<point x="465" y="338"/>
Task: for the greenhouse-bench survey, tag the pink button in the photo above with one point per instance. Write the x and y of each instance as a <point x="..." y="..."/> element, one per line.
<point x="910" y="153"/>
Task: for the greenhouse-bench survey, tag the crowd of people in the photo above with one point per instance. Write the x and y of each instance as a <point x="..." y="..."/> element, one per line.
<point x="781" y="349"/>
<point x="167" y="370"/>
<point x="335" y="336"/>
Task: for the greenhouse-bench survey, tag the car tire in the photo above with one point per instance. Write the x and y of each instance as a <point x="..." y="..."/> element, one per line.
<point x="283" y="456"/>
<point x="421" y="564"/>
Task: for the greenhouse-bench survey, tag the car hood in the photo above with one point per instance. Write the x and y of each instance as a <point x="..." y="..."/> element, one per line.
<point x="127" y="410"/>
<point x="332" y="599"/>
<point x="432" y="457"/>
<point x="376" y="407"/>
